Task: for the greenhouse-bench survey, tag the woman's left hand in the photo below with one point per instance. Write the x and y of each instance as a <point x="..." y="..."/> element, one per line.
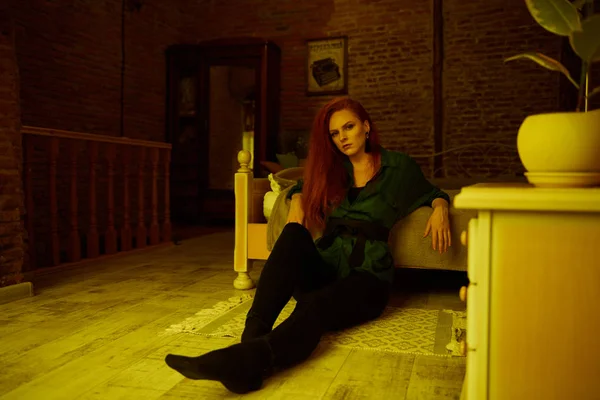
<point x="439" y="226"/>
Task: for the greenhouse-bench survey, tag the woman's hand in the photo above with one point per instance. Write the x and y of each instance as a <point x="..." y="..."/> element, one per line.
<point x="296" y="213"/>
<point x="439" y="226"/>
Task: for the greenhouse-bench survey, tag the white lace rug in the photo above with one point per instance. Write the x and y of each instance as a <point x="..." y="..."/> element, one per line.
<point x="397" y="330"/>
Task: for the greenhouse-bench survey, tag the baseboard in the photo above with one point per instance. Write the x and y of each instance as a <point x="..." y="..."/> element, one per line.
<point x="30" y="275"/>
<point x="16" y="292"/>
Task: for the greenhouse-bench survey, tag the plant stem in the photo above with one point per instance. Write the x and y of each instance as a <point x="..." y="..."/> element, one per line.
<point x="584" y="78"/>
<point x="583" y="86"/>
<point x="589" y="12"/>
<point x="587" y="89"/>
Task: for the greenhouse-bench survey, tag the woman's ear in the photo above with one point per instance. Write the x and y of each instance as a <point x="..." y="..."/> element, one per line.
<point x="367" y="126"/>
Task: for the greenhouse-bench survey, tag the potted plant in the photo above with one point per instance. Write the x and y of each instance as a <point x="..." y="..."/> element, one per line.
<point x="563" y="149"/>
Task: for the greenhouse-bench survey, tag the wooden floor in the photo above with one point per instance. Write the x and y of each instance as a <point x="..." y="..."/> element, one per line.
<point x="93" y="332"/>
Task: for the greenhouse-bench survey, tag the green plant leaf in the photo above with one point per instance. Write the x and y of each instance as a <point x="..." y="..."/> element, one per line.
<point x="580" y="3"/>
<point x="557" y="16"/>
<point x="586" y="43"/>
<point x="594" y="92"/>
<point x="546" y="62"/>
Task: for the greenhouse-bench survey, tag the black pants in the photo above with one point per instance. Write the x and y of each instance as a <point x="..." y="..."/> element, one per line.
<point x="324" y="303"/>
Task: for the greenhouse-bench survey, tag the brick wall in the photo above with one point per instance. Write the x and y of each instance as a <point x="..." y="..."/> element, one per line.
<point x="389" y="58"/>
<point x="390" y="64"/>
<point x="486" y="99"/>
<point x="11" y="190"/>
<point x="71" y="71"/>
<point x="69" y="54"/>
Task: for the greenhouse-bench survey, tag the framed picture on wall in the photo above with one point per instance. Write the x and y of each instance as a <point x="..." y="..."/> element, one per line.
<point x="327" y="66"/>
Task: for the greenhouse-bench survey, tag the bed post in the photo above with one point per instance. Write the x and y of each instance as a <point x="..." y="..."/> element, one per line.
<point x="243" y="197"/>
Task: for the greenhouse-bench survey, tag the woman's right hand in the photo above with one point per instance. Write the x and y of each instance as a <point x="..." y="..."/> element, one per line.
<point x="296" y="213"/>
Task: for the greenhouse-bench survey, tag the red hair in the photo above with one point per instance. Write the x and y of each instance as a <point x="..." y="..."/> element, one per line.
<point x="325" y="177"/>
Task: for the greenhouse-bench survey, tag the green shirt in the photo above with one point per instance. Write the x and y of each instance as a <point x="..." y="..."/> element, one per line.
<point x="398" y="189"/>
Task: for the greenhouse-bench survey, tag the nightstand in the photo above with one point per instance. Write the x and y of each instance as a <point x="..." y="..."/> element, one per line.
<point x="533" y="301"/>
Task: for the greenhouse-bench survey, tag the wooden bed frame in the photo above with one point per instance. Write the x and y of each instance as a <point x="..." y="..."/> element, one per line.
<point x="251" y="225"/>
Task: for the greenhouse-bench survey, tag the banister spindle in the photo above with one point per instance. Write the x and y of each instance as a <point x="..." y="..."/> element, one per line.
<point x="53" y="201"/>
<point x="154" y="229"/>
<point x="74" y="240"/>
<point x="63" y="233"/>
<point x="126" y="228"/>
<point x="141" y="236"/>
<point x="110" y="237"/>
<point x="92" y="236"/>
<point x="167" y="223"/>
<point x="29" y="204"/>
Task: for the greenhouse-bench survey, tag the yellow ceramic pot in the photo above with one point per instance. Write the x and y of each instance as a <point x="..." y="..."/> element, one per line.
<point x="561" y="149"/>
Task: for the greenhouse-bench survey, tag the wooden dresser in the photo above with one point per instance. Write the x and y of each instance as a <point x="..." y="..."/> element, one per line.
<point x="533" y="302"/>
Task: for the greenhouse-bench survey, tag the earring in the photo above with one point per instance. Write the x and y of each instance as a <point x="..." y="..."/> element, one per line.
<point x="368" y="134"/>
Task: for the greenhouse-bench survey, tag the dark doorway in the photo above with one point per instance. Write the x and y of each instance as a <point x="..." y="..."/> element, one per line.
<point x="222" y="97"/>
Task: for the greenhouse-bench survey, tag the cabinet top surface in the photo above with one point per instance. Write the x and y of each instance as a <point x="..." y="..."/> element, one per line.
<point x="524" y="196"/>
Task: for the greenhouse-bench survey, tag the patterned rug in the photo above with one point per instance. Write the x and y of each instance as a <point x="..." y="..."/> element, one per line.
<point x="397" y="330"/>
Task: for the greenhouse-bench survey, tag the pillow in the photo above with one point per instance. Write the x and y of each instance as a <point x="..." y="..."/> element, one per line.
<point x="268" y="203"/>
<point x="271" y="166"/>
<point x="292" y="174"/>
<point x="289" y="160"/>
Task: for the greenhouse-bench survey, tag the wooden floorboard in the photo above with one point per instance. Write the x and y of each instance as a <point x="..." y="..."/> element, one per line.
<point x="95" y="332"/>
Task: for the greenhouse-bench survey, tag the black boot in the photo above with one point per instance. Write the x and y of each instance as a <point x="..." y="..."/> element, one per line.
<point x="241" y="368"/>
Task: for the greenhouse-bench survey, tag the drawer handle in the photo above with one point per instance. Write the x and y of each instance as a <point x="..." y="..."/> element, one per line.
<point x="464" y="238"/>
<point x="463" y="293"/>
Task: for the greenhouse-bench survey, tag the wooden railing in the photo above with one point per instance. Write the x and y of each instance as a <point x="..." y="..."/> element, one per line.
<point x="102" y="234"/>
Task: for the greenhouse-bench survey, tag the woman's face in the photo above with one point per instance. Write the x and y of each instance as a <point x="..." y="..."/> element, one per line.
<point x="348" y="133"/>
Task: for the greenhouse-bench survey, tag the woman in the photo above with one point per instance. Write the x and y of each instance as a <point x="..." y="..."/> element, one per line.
<point x="353" y="192"/>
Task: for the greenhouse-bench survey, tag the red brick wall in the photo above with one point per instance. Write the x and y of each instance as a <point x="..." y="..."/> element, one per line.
<point x="486" y="99"/>
<point x="71" y="71"/>
<point x="69" y="55"/>
<point x="11" y="189"/>
<point x="389" y="58"/>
